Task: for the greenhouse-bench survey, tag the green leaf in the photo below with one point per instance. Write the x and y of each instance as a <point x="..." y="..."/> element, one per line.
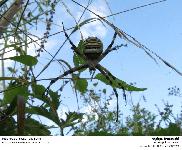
<point x="173" y="129"/>
<point x="8" y="127"/>
<point x="77" y="60"/>
<point x="38" y="92"/>
<point x="72" y="118"/>
<point x="80" y="84"/>
<point x="25" y="59"/>
<point x="14" y="90"/>
<point x="52" y="101"/>
<point x="43" y="112"/>
<point x="35" y="128"/>
<point x="10" y="109"/>
<point x="117" y="83"/>
<point x="81" y="46"/>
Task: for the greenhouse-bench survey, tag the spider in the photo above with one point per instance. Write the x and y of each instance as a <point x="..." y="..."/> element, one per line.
<point x="92" y="53"/>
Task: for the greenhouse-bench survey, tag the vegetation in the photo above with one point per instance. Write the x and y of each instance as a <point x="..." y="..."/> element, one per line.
<point x="26" y="95"/>
<point x="102" y="121"/>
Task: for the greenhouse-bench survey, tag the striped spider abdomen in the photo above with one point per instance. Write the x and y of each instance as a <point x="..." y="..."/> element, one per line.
<point x="93" y="48"/>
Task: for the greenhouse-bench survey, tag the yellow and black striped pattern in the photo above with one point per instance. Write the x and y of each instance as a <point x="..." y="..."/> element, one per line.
<point x="93" y="48"/>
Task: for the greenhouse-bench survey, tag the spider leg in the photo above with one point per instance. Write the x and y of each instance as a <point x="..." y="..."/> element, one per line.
<point x="109" y="47"/>
<point x="113" y="78"/>
<point x="110" y="50"/>
<point x="65" y="74"/>
<point x="112" y="42"/>
<point x="75" y="49"/>
<point x="108" y="77"/>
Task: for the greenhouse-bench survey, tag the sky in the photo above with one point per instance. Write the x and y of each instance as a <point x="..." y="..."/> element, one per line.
<point x="158" y="27"/>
